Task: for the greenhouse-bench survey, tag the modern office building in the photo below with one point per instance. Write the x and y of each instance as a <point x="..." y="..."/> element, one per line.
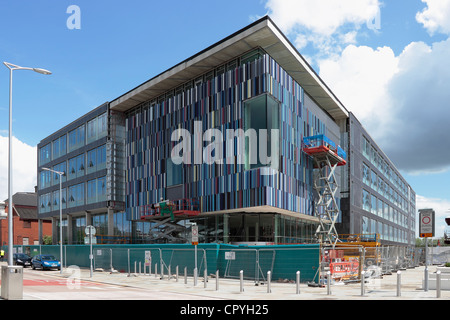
<point x="85" y="151"/>
<point x="220" y="136"/>
<point x="375" y="198"/>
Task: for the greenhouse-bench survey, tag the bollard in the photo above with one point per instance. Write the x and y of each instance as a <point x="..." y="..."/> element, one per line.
<point x="426" y="279"/>
<point x="156" y="270"/>
<point x="185" y="275"/>
<point x="297" y="283"/>
<point x="205" y="278"/>
<point x="438" y="284"/>
<point x="169" y="272"/>
<point x="269" y="278"/>
<point x="217" y="280"/>
<point x="195" y="276"/>
<point x="328" y="283"/>
<point x="135" y="270"/>
<point x="399" y="283"/>
<point x="363" y="289"/>
<point x="241" y="280"/>
<point x="140" y="267"/>
<point x="176" y="273"/>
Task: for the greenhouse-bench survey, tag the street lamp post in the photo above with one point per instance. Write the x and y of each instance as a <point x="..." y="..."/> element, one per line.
<point x="60" y="215"/>
<point x="11" y="68"/>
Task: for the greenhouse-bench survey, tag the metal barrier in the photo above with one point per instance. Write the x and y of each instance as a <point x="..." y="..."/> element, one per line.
<point x="283" y="261"/>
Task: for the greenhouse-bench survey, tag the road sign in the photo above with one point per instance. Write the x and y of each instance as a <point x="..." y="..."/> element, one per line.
<point x="194" y="232"/>
<point x="231" y="255"/>
<point x="147" y="258"/>
<point x="90" y="230"/>
<point x="426" y="223"/>
<point x="88" y="240"/>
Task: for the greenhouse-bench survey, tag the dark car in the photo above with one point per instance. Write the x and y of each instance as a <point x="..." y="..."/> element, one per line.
<point x="21" y="259"/>
<point x="45" y="261"/>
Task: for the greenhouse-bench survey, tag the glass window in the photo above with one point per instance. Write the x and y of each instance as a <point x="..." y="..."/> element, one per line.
<point x="80" y="194"/>
<point x="174" y="173"/>
<point x="96" y="190"/>
<point x="91" y="192"/>
<point x="102" y="125"/>
<point x="61" y="167"/>
<point x="72" y="196"/>
<point x="91" y="130"/>
<point x="72" y="169"/>
<point x="365" y="225"/>
<point x="91" y="161"/>
<point x="366" y="174"/>
<point x="80" y="166"/>
<point x="261" y="116"/>
<point x="45" y="179"/>
<point x="100" y="222"/>
<point x="101" y="189"/>
<point x="374" y="180"/>
<point x="101" y="157"/>
<point x="59" y="147"/>
<point x="373" y="208"/>
<point x="45" y="204"/>
<point x="76" y="195"/>
<point x="76" y="138"/>
<point x="366" y="202"/>
<point x="45" y="154"/>
<point x="380" y="208"/>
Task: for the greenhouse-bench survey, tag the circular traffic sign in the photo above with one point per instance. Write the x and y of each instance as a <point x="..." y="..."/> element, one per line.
<point x="90" y="230"/>
<point x="426" y="220"/>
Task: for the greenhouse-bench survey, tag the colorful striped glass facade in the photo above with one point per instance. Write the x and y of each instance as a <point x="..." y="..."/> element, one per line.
<point x="217" y="99"/>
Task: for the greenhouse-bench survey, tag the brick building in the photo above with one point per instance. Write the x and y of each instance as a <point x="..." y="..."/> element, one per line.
<point x="25" y="221"/>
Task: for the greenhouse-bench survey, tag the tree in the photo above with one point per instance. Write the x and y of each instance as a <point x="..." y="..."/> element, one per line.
<point x="47" y="240"/>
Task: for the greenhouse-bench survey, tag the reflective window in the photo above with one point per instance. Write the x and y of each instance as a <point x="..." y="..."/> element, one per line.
<point x="261" y="116"/>
<point x="76" y="195"/>
<point x="174" y="173"/>
<point x="76" y="138"/>
<point x="45" y="154"/>
<point x="59" y="147"/>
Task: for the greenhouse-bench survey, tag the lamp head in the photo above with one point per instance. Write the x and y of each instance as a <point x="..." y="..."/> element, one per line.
<point x="41" y="71"/>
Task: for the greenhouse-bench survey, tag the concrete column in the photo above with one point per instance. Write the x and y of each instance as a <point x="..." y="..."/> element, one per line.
<point x="55" y="230"/>
<point x="40" y="231"/>
<point x="69" y="229"/>
<point x="88" y="218"/>
<point x="226" y="228"/>
<point x="110" y="222"/>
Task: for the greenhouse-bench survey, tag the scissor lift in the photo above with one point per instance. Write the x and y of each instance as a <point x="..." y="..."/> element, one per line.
<point x="165" y="216"/>
<point x="327" y="157"/>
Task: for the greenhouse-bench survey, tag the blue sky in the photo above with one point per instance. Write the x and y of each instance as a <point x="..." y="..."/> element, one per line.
<point x="385" y="60"/>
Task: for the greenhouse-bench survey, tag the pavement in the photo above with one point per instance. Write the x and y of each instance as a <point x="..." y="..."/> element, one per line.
<point x="384" y="288"/>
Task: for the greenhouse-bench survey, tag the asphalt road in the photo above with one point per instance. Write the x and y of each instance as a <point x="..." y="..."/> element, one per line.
<point x="48" y="285"/>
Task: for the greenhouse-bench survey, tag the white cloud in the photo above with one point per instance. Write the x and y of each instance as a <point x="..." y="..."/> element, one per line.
<point x="436" y="16"/>
<point x="401" y="100"/>
<point x="326" y="24"/>
<point x="360" y="78"/>
<point x="321" y="16"/>
<point x="24" y="167"/>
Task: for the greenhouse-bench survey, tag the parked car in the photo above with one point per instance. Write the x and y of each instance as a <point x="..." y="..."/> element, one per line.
<point x="45" y="261"/>
<point x="21" y="259"/>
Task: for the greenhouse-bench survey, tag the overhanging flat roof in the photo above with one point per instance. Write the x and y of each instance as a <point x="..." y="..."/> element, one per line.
<point x="262" y="33"/>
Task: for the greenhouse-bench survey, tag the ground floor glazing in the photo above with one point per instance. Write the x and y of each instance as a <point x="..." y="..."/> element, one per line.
<point x="213" y="228"/>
